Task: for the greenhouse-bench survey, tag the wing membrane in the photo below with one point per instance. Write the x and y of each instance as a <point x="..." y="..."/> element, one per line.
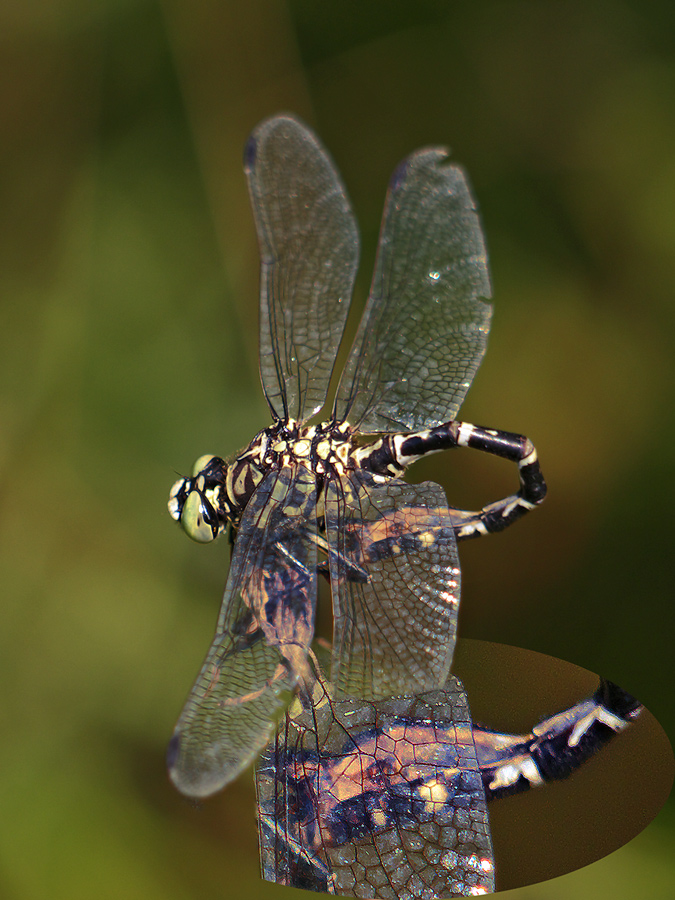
<point x="378" y="799"/>
<point x="264" y="629"/>
<point x="425" y="326"/>
<point x="394" y="632"/>
<point x="309" y="248"/>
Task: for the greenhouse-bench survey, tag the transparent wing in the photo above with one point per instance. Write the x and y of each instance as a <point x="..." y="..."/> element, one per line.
<point x="378" y="799"/>
<point x="425" y="326"/>
<point x="309" y="248"/>
<point x="394" y="628"/>
<point x="265" y="627"/>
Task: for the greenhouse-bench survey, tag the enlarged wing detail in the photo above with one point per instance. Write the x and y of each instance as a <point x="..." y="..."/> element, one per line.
<point x="309" y="249"/>
<point x="424" y="330"/>
<point x="265" y="627"/>
<point x="395" y="581"/>
<point x="377" y="799"/>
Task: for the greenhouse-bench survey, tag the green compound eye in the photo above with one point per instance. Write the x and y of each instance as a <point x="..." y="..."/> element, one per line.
<point x="201" y="464"/>
<point x="196" y="518"/>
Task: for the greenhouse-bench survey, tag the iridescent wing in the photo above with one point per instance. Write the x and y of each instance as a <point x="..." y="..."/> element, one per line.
<point x="264" y="630"/>
<point x="394" y="630"/>
<point x="424" y="330"/>
<point x="309" y="249"/>
<point x="376" y="799"/>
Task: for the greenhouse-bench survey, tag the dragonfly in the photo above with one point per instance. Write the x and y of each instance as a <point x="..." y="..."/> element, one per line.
<point x="327" y="498"/>
<point x="390" y="798"/>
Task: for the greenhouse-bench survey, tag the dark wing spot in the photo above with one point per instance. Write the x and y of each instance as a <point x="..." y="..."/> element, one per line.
<point x="172" y="751"/>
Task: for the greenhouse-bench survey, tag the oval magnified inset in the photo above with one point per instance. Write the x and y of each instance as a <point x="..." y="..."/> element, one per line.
<point x="521" y="768"/>
<point x="562" y="825"/>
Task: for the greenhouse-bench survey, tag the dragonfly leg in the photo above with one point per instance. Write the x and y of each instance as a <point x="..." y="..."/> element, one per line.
<point x="278" y="836"/>
<point x="511" y="763"/>
<point x="350" y="569"/>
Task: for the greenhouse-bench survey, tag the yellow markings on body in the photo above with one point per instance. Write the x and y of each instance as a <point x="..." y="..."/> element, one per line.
<point x="229" y="482"/>
<point x="435" y="790"/>
<point x="342" y="452"/>
<point x="362" y="453"/>
<point x="465" y="432"/>
<point x="408" y="459"/>
<point x="470" y="528"/>
<point x="240" y="483"/>
<point x="301" y="448"/>
<point x="323" y="449"/>
<point x="528" y="460"/>
<point x="598" y="714"/>
<point x="212" y="495"/>
<point x="379" y="818"/>
<point x="509" y="507"/>
<point x="509" y="774"/>
<point x="428" y="538"/>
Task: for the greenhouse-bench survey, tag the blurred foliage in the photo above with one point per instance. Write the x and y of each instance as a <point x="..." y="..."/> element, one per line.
<point x="128" y="347"/>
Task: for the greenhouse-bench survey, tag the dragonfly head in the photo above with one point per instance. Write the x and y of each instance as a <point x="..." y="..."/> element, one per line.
<point x="195" y="502"/>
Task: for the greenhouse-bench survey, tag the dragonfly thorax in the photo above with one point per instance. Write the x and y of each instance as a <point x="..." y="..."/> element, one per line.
<point x="217" y="492"/>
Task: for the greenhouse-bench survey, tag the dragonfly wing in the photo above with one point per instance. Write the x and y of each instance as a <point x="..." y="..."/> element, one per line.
<point x="309" y="248"/>
<point x="394" y="627"/>
<point x="264" y="630"/>
<point x="424" y="330"/>
<point x="382" y="798"/>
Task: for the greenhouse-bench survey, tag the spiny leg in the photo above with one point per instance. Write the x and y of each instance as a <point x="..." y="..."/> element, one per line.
<point x="556" y="747"/>
<point x="394" y="453"/>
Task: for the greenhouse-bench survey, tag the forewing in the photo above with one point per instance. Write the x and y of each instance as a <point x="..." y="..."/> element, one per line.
<point x="265" y="627"/>
<point x="425" y="326"/>
<point x="309" y="248"/>
<point x="394" y="628"/>
<point x="378" y="799"/>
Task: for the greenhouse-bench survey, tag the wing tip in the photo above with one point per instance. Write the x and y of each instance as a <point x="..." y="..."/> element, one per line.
<point x="250" y="152"/>
<point x="433" y="159"/>
<point x="275" y="126"/>
<point x="196" y="784"/>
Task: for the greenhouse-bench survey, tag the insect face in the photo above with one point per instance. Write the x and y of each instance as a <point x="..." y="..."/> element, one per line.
<point x="196" y="502"/>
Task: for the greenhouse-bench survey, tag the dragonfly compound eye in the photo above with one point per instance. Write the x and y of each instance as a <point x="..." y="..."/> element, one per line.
<point x="198" y="518"/>
<point x="204" y="464"/>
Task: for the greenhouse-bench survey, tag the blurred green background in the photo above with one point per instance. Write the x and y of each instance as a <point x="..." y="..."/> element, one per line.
<point x="128" y="348"/>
